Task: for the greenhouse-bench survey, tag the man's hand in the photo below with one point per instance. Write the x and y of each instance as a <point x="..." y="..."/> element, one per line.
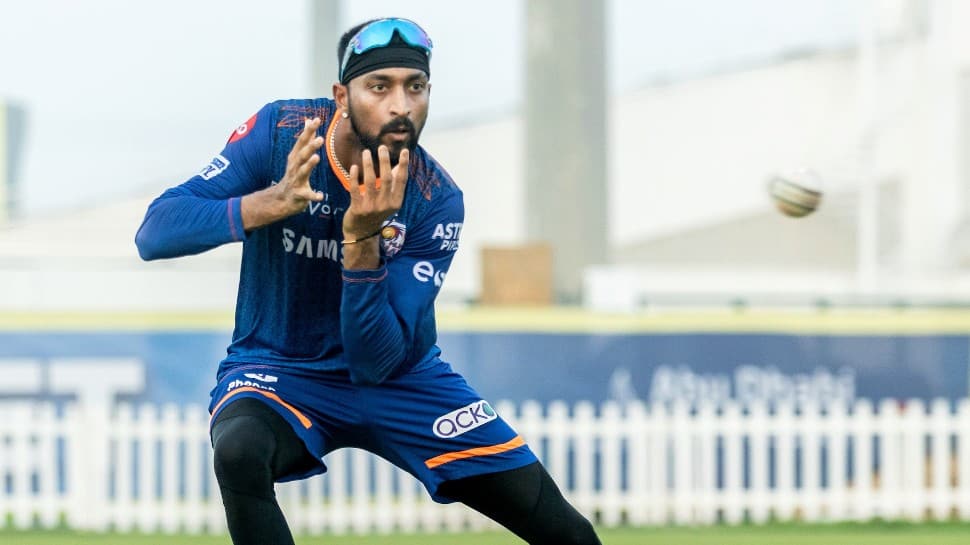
<point x="372" y="201"/>
<point x="293" y="193"/>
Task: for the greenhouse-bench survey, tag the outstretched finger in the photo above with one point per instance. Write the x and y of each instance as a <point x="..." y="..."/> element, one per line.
<point x="384" y="156"/>
<point x="369" y="184"/>
<point x="399" y="180"/>
<point x="355" y="182"/>
<point x="310" y="127"/>
<point x="309" y="193"/>
<point x="308" y="142"/>
<point x="306" y="167"/>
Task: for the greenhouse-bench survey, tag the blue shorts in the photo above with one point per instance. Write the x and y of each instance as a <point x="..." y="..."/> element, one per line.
<point x="429" y="422"/>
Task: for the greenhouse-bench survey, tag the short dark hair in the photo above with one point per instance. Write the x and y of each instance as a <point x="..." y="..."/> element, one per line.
<point x="345" y="40"/>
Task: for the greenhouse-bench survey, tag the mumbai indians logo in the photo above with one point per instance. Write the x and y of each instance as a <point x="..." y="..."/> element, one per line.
<point x="464" y="419"/>
<point x="392" y="237"/>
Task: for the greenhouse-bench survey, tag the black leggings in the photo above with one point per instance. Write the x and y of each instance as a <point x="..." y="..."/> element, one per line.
<point x="253" y="446"/>
<point x="527" y="502"/>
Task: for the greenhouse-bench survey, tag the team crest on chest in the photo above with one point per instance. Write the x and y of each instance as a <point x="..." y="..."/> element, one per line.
<point x="392" y="237"/>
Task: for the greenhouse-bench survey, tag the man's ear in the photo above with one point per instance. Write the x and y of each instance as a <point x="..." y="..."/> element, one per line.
<point x="340" y="95"/>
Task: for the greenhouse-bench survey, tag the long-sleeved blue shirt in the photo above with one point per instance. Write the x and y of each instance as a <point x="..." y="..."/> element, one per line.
<point x="296" y="306"/>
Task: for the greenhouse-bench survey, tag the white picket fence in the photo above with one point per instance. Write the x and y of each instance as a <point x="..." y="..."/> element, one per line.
<point x="148" y="468"/>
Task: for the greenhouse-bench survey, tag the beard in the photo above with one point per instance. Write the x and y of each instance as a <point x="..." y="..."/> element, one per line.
<point x="373" y="141"/>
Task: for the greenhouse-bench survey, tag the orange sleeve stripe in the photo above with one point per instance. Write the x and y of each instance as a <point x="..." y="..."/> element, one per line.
<point x="441" y="459"/>
<point x="303" y="419"/>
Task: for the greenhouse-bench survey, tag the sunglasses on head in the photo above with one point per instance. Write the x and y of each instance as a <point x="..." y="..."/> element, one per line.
<point x="379" y="34"/>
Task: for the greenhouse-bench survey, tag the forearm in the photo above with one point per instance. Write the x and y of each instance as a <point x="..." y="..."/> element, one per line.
<point x="374" y="339"/>
<point x="264" y="207"/>
<point x="177" y="225"/>
<point x="361" y="254"/>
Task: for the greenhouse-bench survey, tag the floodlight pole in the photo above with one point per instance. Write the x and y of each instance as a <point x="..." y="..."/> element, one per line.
<point x="324" y="33"/>
<point x="566" y="159"/>
<point x="867" y="227"/>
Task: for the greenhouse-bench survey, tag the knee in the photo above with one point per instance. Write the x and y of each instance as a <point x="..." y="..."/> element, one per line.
<point x="562" y="524"/>
<point x="570" y="528"/>
<point x="577" y="531"/>
<point x="242" y="450"/>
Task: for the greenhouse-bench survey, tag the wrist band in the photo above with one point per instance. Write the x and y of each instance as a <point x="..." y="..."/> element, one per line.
<point x="355" y="241"/>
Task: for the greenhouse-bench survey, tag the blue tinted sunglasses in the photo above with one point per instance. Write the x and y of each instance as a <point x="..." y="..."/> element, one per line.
<point x="380" y="33"/>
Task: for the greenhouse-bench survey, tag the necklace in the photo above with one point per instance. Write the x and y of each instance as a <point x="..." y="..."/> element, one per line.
<point x="333" y="150"/>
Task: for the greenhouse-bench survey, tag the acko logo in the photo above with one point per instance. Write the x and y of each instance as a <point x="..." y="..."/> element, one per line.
<point x="464" y="419"/>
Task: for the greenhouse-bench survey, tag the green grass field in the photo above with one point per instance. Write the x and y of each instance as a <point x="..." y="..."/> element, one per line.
<point x="786" y="534"/>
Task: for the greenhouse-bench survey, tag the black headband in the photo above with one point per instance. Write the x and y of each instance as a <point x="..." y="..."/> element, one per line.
<point x="396" y="54"/>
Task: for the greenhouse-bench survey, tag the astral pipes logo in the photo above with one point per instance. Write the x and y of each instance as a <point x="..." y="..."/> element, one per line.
<point x="464" y="419"/>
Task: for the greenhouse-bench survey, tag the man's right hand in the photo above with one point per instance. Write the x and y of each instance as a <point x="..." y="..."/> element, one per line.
<point x="293" y="193"/>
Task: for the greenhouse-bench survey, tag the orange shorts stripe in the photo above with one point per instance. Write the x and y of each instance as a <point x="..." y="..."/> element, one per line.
<point x="303" y="419"/>
<point x="515" y="442"/>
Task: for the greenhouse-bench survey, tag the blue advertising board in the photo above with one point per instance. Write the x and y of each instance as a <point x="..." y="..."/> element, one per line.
<point x="558" y="355"/>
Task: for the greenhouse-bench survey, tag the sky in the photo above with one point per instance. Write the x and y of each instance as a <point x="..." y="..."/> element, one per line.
<point x="126" y="98"/>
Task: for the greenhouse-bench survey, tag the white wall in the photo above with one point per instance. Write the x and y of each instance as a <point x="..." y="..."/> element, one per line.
<point x="686" y="154"/>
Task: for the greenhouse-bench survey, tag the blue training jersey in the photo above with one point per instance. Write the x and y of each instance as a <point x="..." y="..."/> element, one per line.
<point x="296" y="306"/>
